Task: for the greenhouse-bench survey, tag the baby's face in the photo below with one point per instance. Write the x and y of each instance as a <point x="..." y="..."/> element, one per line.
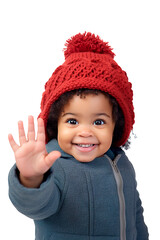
<point x="85" y="127"/>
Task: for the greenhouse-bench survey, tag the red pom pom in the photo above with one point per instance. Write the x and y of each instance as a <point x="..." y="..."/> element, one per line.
<point x="87" y="42"/>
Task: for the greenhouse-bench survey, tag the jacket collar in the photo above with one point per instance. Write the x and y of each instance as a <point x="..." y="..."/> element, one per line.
<point x="54" y="146"/>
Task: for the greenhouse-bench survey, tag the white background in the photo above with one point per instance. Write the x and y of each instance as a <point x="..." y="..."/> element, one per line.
<point x="32" y="36"/>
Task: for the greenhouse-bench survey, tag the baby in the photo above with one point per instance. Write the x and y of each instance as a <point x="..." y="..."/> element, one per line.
<point x="74" y="180"/>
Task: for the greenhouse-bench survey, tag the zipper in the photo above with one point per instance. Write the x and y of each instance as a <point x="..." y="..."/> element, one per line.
<point x="91" y="206"/>
<point x="119" y="182"/>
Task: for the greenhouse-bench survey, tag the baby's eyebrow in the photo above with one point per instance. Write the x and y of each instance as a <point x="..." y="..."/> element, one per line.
<point x="102" y="114"/>
<point x="68" y="113"/>
<point x="95" y="114"/>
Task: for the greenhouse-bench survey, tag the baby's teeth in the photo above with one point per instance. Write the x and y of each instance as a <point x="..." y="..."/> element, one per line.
<point x="85" y="145"/>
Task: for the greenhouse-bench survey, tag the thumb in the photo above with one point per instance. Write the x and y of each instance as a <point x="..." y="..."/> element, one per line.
<point x="52" y="157"/>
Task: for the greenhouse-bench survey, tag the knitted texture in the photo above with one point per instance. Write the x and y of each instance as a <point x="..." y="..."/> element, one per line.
<point x="89" y="63"/>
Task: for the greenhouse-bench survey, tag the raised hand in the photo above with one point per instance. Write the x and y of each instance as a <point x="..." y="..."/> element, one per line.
<point x="31" y="157"/>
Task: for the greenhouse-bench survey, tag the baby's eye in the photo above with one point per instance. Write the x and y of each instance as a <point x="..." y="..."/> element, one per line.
<point x="72" y="121"/>
<point x="99" y="122"/>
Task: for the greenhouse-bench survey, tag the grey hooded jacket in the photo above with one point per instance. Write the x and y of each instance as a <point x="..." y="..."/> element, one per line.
<point x="83" y="201"/>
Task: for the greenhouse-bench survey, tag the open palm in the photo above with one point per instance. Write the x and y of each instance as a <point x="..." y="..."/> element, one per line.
<point x="31" y="157"/>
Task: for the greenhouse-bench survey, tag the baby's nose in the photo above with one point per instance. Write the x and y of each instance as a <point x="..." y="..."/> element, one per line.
<point x="85" y="132"/>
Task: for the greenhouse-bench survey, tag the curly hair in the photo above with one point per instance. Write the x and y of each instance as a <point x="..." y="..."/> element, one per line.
<point x="58" y="106"/>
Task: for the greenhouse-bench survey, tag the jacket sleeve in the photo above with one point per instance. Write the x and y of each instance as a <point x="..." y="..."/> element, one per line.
<point x="142" y="230"/>
<point x="36" y="203"/>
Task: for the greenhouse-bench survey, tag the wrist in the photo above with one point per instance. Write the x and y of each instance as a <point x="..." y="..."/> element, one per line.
<point x="31" y="182"/>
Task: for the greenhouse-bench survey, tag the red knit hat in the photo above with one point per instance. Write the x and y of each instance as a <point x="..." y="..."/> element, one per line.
<point x="89" y="64"/>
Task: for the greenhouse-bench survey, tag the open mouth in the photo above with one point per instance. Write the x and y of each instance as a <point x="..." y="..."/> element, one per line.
<point x="85" y="147"/>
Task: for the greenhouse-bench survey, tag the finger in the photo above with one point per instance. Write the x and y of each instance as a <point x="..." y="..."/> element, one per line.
<point x="31" y="130"/>
<point x="22" y="136"/>
<point x="41" y="130"/>
<point x="52" y="157"/>
<point x="13" y="144"/>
